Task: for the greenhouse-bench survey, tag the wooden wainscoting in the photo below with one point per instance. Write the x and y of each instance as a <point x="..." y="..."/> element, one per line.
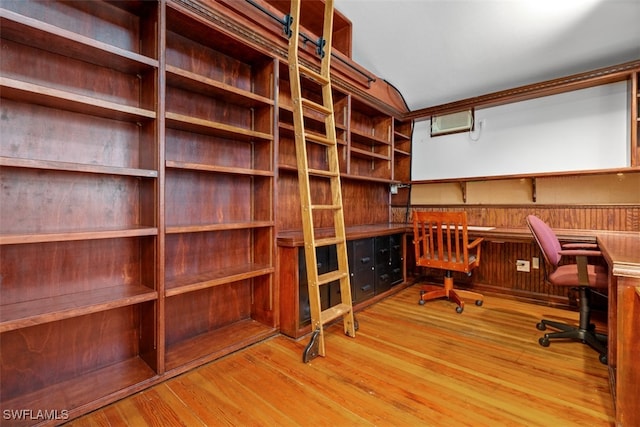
<point x="584" y="217"/>
<point x="409" y="365"/>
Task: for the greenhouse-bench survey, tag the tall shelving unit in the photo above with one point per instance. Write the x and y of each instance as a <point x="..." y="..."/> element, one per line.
<point x="79" y="182"/>
<point x="141" y="145"/>
<point x="219" y="262"/>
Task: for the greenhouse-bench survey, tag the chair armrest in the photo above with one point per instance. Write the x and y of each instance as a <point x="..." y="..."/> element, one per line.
<point x="583" y="245"/>
<point x="581" y="261"/>
<point x="580" y="252"/>
<point x="475" y="243"/>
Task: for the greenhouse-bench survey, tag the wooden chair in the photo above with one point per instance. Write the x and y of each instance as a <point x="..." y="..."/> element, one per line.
<point x="441" y="241"/>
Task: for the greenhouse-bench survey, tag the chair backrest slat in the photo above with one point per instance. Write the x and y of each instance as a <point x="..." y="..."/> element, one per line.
<point x="441" y="240"/>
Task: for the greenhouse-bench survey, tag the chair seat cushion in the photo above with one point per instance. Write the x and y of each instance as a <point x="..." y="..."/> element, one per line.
<point x="567" y="275"/>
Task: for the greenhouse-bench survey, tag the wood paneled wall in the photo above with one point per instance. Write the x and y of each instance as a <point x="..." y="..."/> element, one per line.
<point x="612" y="218"/>
<point x="364" y="202"/>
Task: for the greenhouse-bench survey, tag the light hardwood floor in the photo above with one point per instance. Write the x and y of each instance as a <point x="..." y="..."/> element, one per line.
<point x="409" y="365"/>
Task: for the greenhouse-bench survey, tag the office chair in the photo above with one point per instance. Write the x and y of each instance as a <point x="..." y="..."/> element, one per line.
<point x="441" y="241"/>
<point x="580" y="276"/>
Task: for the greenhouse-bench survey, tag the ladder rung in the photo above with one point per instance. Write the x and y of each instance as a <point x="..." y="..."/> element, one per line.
<point x="319" y="139"/>
<point x="331" y="276"/>
<point x="315" y="106"/>
<point x="326" y="207"/>
<point x="328" y="241"/>
<point x="321" y="172"/>
<point x="334" y="312"/>
<point x="308" y="72"/>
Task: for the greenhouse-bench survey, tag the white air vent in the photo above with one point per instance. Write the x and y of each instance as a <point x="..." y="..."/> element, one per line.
<point x="452" y="123"/>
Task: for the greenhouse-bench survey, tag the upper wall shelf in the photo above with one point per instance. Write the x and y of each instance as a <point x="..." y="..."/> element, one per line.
<point x="601" y="187"/>
<point x="531" y="175"/>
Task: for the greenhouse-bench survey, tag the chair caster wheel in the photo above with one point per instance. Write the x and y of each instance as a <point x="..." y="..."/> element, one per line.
<point x="479" y="302"/>
<point x="544" y="341"/>
<point x="459" y="309"/>
<point x="421" y="302"/>
<point x="603" y="359"/>
<point x="541" y="326"/>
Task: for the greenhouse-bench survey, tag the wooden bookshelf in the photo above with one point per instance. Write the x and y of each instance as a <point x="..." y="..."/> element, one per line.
<point x="147" y="166"/>
<point x="219" y="268"/>
<point x="79" y="165"/>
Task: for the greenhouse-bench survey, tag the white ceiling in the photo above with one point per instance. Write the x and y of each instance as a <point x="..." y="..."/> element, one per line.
<point x="438" y="51"/>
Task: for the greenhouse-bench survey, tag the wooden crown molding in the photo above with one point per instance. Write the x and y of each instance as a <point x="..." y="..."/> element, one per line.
<point x="597" y="77"/>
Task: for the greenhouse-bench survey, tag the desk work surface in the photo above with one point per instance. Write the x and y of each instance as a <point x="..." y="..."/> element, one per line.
<point x="622" y="252"/>
<point x="523" y="234"/>
<point x="470" y="227"/>
<point x="479" y="228"/>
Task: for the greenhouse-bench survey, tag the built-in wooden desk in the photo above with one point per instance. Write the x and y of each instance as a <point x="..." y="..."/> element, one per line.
<point x="622" y="252"/>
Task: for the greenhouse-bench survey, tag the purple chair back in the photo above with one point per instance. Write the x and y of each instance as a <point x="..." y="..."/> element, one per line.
<point x="546" y="239"/>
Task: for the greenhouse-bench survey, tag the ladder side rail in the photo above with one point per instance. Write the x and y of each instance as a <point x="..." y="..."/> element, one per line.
<point x="301" y="159"/>
<point x="334" y="162"/>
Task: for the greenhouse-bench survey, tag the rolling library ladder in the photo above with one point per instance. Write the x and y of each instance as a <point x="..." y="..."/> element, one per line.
<point x="328" y="140"/>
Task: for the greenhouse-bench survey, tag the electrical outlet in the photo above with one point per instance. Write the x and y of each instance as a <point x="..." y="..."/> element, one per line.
<point x="535" y="263"/>
<point x="522" y="265"/>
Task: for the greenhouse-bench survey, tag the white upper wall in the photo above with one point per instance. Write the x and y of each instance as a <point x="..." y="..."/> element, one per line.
<point x="580" y="130"/>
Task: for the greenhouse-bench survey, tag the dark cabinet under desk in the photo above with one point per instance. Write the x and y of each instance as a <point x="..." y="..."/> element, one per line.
<point x="376" y="265"/>
<point x="389" y="259"/>
<point x="327" y="258"/>
<point x="361" y="255"/>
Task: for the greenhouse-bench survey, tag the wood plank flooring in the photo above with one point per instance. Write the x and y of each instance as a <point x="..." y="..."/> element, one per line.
<point x="409" y="365"/>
